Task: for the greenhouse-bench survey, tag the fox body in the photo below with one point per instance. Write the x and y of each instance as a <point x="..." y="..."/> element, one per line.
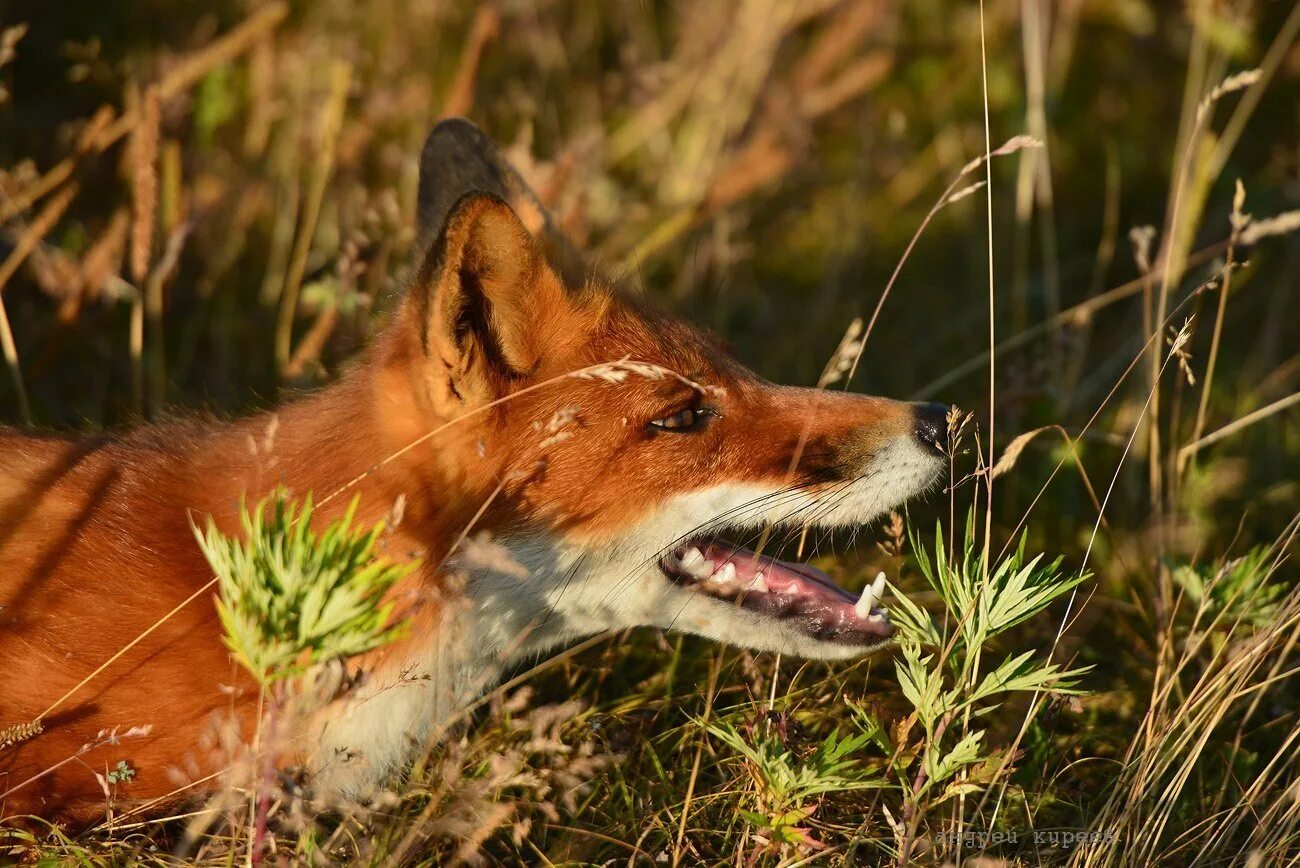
<point x="601" y="446"/>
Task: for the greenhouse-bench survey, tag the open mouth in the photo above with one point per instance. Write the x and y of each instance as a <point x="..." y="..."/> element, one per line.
<point x="795" y="594"/>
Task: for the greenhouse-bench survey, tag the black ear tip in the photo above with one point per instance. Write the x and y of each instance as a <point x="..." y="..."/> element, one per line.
<point x="457" y="130"/>
<point x="457" y="122"/>
<point x="455" y="143"/>
<point x="457" y="158"/>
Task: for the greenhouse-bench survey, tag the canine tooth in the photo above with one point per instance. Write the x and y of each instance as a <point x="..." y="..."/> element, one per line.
<point x="759" y="584"/>
<point x="725" y="575"/>
<point x="862" y="608"/>
<point x="878" y="586"/>
<point x="691" y="557"/>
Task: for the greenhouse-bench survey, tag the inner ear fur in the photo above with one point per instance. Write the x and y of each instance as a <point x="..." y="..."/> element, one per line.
<point x="482" y="291"/>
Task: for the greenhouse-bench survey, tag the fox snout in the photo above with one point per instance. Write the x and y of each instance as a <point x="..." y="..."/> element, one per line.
<point x="831" y="436"/>
<point x="831" y="460"/>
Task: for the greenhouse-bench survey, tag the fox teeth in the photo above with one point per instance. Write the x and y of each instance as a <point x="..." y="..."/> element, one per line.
<point x="878" y="616"/>
<point x="725" y="575"/>
<point x="862" y="608"/>
<point x="878" y="586"/>
<point x="690" y="558"/>
<point x="759" y="584"/>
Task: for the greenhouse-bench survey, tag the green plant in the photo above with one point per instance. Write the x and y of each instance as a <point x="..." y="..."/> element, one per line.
<point x="948" y="688"/>
<point x="290" y="598"/>
<point x="120" y="774"/>
<point x="787" y="786"/>
<point x="1238" y="591"/>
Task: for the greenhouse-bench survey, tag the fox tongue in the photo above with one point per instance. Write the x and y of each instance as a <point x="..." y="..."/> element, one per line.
<point x="780" y="577"/>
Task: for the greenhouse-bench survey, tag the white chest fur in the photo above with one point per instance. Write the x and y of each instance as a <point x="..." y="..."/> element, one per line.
<point x="518" y="600"/>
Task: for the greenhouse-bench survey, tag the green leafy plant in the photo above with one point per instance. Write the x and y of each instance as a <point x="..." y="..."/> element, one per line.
<point x="290" y="598"/>
<point x="1237" y="591"/>
<point x="786" y="786"/>
<point x="120" y="774"/>
<point x="941" y="676"/>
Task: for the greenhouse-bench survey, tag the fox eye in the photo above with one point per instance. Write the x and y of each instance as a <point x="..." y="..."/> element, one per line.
<point x="690" y="419"/>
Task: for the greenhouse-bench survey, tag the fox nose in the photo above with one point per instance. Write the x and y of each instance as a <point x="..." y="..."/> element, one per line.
<point x="931" y="426"/>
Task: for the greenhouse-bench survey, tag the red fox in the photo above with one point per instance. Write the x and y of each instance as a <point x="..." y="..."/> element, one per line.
<point x="607" y="448"/>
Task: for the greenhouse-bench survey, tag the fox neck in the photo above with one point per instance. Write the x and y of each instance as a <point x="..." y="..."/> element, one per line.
<point x="477" y="605"/>
<point x="479" y="619"/>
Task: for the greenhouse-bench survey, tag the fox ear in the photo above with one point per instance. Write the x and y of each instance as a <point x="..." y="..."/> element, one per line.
<point x="479" y="293"/>
<point x="459" y="158"/>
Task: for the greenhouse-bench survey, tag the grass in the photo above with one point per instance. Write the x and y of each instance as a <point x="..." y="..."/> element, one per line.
<point x="214" y="210"/>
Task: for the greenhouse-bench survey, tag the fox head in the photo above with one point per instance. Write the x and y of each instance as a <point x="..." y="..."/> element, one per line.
<point x="620" y="458"/>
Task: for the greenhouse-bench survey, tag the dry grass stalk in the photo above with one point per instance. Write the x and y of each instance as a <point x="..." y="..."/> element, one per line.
<point x="842" y="359"/>
<point x="1231" y="84"/>
<point x="774" y="121"/>
<point x="70" y="282"/>
<point x="486" y="26"/>
<point x="1034" y="189"/>
<point x="19" y="732"/>
<point x="102" y="260"/>
<point x="28" y="242"/>
<point x="313" y="341"/>
<point x="1238" y="424"/>
<point x="1178" y="231"/>
<point x="1011" y="453"/>
<point x="1232" y="131"/>
<point x="327" y="133"/>
<point x="1179" y="726"/>
<point x="33" y="234"/>
<point x="285" y="160"/>
<point x="155" y="285"/>
<point x="142" y="158"/>
<point x="895" y="536"/>
<point x="261" y="86"/>
<point x="1245" y="230"/>
<point x="1010" y="146"/>
<point x="9" y="38"/>
<point x="1281" y="224"/>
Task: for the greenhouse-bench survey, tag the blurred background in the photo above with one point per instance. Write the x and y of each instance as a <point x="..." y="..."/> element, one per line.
<point x="210" y="206"/>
